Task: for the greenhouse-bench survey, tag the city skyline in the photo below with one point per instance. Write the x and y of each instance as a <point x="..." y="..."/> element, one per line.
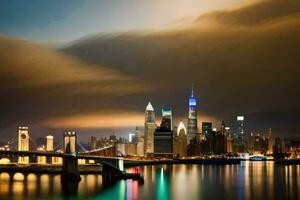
<point x="149" y="99"/>
<point x="94" y="85"/>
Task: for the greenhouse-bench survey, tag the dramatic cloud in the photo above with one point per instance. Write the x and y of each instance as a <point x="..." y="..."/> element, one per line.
<point x="38" y="84"/>
<point x="244" y="61"/>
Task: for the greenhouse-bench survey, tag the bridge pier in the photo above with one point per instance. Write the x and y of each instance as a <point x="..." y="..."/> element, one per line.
<point x="70" y="170"/>
<point x="109" y="175"/>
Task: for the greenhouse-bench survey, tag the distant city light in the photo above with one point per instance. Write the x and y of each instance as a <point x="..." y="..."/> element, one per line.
<point x="240" y="118"/>
<point x="131" y="136"/>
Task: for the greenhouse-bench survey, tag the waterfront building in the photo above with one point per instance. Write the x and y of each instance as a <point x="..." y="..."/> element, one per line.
<point x="279" y="150"/>
<point x="180" y="141"/>
<point x="149" y="130"/>
<point x="166" y="121"/>
<point x="239" y="142"/>
<point x="139" y="142"/>
<point x="192" y="127"/>
<point x="241" y="122"/>
<point x="23" y="144"/>
<point x="291" y="145"/>
<point x="222" y="128"/>
<point x="195" y="148"/>
<point x="228" y="131"/>
<point x="163" y="137"/>
<point x="206" y="128"/>
<point x="49" y="143"/>
<point x="258" y="144"/>
<point x="270" y="142"/>
<point x="215" y="143"/>
<point x="163" y="142"/>
<point x="229" y="143"/>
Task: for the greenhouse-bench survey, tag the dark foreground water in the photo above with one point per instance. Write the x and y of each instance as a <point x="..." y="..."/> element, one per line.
<point x="249" y="180"/>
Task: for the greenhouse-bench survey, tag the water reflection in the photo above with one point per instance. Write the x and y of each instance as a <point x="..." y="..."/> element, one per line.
<point x="20" y="186"/>
<point x="249" y="180"/>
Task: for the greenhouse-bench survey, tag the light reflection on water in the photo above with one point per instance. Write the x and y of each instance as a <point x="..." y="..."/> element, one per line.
<point x="249" y="180"/>
<point x="32" y="186"/>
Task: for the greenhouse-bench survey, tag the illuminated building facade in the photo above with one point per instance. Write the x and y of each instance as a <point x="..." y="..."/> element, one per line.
<point x="166" y="121"/>
<point x="192" y="128"/>
<point x="149" y="130"/>
<point x="23" y="143"/>
<point x="49" y="143"/>
<point x="270" y="142"/>
<point x="163" y="136"/>
<point x="258" y="144"/>
<point x="228" y="136"/>
<point x="239" y="142"/>
<point x="240" y="130"/>
<point x="139" y="142"/>
<point x="180" y="141"/>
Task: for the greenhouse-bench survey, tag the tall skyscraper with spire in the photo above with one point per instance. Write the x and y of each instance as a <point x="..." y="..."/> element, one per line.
<point x="192" y="128"/>
<point x="149" y="130"/>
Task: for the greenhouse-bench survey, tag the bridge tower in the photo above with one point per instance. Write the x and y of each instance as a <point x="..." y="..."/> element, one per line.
<point x="23" y="144"/>
<point x="70" y="170"/>
<point x="49" y="147"/>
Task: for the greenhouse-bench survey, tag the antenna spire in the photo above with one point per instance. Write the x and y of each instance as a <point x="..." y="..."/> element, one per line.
<point x="192" y="94"/>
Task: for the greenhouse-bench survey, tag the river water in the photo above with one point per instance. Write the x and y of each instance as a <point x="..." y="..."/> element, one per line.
<point x="249" y="180"/>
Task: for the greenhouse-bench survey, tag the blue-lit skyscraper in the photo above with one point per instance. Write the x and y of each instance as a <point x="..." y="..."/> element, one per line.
<point x="192" y="128"/>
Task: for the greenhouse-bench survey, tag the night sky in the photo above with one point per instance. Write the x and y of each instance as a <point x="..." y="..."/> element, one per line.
<point x="93" y="66"/>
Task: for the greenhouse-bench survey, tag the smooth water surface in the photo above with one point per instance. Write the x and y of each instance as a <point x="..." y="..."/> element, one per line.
<point x="249" y="180"/>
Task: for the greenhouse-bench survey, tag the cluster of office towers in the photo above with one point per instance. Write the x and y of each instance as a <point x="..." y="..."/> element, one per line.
<point x="166" y="140"/>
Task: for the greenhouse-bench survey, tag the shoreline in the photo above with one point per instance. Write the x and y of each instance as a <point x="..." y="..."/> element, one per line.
<point x="216" y="161"/>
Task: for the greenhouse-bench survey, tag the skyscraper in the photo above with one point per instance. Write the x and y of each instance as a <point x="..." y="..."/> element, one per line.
<point x="206" y="128"/>
<point x="239" y="143"/>
<point x="240" y="131"/>
<point x="222" y="129"/>
<point x="49" y="143"/>
<point x="139" y="142"/>
<point x="149" y="130"/>
<point x="270" y="142"/>
<point x="166" y="121"/>
<point x="180" y="141"/>
<point x="192" y="128"/>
